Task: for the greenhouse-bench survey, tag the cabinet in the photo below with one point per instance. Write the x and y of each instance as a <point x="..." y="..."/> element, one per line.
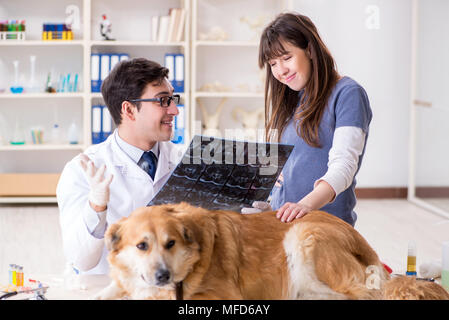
<point x="20" y="113"/>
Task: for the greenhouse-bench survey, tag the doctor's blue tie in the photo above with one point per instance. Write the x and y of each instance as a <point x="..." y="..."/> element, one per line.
<point x="150" y="163"/>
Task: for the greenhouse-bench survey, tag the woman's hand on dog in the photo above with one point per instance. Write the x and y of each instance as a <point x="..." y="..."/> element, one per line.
<point x="286" y="213"/>
<point x="257" y="207"/>
<point x="292" y="210"/>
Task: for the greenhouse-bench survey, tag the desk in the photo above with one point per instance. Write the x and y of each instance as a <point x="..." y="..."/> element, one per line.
<point x="59" y="289"/>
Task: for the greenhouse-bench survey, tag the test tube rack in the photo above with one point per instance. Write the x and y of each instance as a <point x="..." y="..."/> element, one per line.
<point x="56" y="31"/>
<point x="12" y="30"/>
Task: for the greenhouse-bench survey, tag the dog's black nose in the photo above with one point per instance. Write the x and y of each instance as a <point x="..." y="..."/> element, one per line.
<point x="162" y="276"/>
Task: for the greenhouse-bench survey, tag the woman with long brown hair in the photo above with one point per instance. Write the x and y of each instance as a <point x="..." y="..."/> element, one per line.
<point x="325" y="116"/>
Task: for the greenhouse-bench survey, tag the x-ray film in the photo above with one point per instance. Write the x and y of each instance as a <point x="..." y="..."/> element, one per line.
<point x="220" y="174"/>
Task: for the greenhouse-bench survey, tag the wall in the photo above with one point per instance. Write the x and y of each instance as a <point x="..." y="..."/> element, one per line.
<point x="432" y="146"/>
<point x="379" y="58"/>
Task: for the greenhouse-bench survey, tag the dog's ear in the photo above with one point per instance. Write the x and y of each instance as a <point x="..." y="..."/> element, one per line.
<point x="112" y="236"/>
<point x="188" y="235"/>
<point x="185" y="228"/>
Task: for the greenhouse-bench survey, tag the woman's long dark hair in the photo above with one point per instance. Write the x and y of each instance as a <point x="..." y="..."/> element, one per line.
<point x="281" y="102"/>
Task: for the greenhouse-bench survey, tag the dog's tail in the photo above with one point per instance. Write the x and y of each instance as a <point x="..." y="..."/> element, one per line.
<point x="409" y="288"/>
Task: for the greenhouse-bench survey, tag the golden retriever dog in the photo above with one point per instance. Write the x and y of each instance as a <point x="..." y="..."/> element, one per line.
<point x="184" y="252"/>
<point x="408" y="288"/>
<point x="227" y="255"/>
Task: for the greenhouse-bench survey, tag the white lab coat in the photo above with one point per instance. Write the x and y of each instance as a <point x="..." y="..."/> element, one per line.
<point x="130" y="189"/>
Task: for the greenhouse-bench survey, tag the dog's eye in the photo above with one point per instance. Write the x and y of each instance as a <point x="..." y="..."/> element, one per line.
<point x="142" y="246"/>
<point x="170" y="244"/>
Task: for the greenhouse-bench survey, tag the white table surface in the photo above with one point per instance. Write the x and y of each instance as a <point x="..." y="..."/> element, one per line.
<point x="61" y="288"/>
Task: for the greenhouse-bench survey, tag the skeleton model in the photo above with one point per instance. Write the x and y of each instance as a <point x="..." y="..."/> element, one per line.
<point x="255" y="24"/>
<point x="215" y="34"/>
<point x="249" y="121"/>
<point x="105" y="28"/>
<point x="216" y="86"/>
<point x="211" y="121"/>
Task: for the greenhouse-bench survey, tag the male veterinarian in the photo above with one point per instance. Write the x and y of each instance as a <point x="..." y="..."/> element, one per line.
<point x="111" y="179"/>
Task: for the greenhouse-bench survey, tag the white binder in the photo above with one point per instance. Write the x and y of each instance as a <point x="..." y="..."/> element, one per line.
<point x="179" y="73"/>
<point x="95" y="72"/>
<point x="105" y="64"/>
<point x="170" y="65"/>
<point x="115" y="58"/>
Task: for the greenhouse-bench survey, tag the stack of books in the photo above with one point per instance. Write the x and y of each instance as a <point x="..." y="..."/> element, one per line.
<point x="168" y="28"/>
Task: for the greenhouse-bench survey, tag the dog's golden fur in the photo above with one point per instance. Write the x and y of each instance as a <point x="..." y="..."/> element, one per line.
<point x="408" y="288"/>
<point x="227" y="255"/>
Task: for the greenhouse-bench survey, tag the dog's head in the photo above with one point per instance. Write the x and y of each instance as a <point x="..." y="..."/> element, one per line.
<point x="156" y="246"/>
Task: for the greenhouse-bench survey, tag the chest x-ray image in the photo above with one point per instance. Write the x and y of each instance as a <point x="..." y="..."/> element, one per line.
<point x="221" y="174"/>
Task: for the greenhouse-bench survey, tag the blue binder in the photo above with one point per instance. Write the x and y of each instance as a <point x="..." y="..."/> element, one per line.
<point x="169" y="63"/>
<point x="95" y="81"/>
<point x="115" y="58"/>
<point x="124" y="56"/>
<point x="178" y="137"/>
<point x="105" y="66"/>
<point x="106" y="123"/>
<point x="96" y="124"/>
<point x="101" y="65"/>
<point x="178" y="84"/>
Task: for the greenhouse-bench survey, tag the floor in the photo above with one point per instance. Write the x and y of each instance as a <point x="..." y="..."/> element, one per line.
<point x="30" y="235"/>
<point x="442" y="203"/>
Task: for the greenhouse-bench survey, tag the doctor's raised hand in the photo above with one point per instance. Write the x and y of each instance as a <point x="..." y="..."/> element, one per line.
<point x="98" y="182"/>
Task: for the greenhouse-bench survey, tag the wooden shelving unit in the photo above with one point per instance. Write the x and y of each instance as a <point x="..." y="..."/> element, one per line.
<point x="205" y="16"/>
<point x="85" y="42"/>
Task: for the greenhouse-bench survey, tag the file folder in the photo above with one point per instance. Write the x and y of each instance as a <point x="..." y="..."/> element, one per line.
<point x="124" y="56"/>
<point x="96" y="124"/>
<point x="95" y="72"/>
<point x="179" y="73"/>
<point x="105" y="60"/>
<point x="178" y="136"/>
<point x="106" y="123"/>
<point x="115" y="58"/>
<point x="170" y="65"/>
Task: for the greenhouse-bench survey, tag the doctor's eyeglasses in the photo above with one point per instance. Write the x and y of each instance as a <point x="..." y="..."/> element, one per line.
<point x="164" y="101"/>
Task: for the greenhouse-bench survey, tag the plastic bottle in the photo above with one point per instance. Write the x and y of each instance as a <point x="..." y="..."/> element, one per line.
<point x="411" y="259"/>
<point x="16" y="87"/>
<point x="32" y="86"/>
<point x="10" y="273"/>
<point x="445" y="266"/>
<point x="431" y="269"/>
<point x="14" y="274"/>
<point x="73" y="279"/>
<point x="55" y="134"/>
<point x="73" y="133"/>
<point x="18" y="137"/>
<point x="19" y="276"/>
